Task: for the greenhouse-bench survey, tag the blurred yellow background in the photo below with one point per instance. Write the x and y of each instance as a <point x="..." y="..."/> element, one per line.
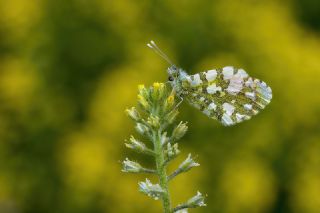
<point x="68" y="69"/>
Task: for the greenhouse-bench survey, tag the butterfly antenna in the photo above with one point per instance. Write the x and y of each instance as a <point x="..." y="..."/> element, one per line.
<point x="152" y="45"/>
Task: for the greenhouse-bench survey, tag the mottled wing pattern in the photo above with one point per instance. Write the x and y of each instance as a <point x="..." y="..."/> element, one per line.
<point x="229" y="95"/>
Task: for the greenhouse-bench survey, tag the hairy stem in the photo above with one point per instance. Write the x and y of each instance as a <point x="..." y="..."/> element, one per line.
<point x="180" y="207"/>
<point x="161" y="171"/>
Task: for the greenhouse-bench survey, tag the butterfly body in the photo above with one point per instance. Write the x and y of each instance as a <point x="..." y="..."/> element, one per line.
<point x="228" y="95"/>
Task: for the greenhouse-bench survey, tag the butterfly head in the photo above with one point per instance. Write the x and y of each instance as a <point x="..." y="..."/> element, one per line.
<point x="173" y="72"/>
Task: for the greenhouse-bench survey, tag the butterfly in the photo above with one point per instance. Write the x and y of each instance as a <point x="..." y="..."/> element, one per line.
<point x="228" y="95"/>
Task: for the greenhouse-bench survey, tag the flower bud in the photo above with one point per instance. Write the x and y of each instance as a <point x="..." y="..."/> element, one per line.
<point x="142" y="90"/>
<point x="152" y="190"/>
<point x="142" y="129"/>
<point x="141" y="87"/>
<point x="143" y="102"/>
<point x="172" y="151"/>
<point x="158" y="90"/>
<point x="138" y="146"/>
<point x="187" y="164"/>
<point x="154" y="121"/>
<point x="196" y="201"/>
<point x="179" y="131"/>
<point x="164" y="139"/>
<point x="169" y="102"/>
<point x="133" y="114"/>
<point x="171" y="117"/>
<point x="131" y="166"/>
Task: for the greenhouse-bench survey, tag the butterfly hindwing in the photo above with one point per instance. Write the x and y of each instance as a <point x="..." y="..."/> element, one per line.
<point x="228" y="95"/>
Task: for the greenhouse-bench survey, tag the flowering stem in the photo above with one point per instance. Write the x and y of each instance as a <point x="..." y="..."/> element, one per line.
<point x="161" y="170"/>
<point x="159" y="109"/>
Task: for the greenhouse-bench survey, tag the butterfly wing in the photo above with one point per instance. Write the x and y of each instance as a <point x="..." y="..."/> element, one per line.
<point x="228" y="95"/>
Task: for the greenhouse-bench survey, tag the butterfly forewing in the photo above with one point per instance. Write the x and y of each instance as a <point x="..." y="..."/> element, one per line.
<point x="229" y="95"/>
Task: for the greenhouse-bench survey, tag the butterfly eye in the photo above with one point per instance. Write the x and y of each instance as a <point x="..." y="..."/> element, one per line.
<point x="173" y="68"/>
<point x="170" y="78"/>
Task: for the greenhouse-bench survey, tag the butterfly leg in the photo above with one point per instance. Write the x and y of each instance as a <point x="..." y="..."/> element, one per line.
<point x="178" y="104"/>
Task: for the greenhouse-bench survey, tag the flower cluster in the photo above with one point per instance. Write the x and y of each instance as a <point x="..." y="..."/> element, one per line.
<point x="158" y="110"/>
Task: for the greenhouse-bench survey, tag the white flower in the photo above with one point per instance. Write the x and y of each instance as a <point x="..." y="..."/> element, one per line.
<point x="187" y="164"/>
<point x="142" y="129"/>
<point x="131" y="166"/>
<point x="179" y="131"/>
<point x="152" y="190"/>
<point x="172" y="151"/>
<point x="133" y="114"/>
<point x="196" y="201"/>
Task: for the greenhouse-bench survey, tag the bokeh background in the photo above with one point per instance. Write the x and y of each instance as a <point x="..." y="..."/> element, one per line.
<point x="68" y="69"/>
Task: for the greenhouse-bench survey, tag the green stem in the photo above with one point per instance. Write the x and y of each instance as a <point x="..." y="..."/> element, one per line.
<point x="161" y="171"/>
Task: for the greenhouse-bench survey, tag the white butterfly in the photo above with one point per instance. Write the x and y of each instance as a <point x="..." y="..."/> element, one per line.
<point x="228" y="95"/>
